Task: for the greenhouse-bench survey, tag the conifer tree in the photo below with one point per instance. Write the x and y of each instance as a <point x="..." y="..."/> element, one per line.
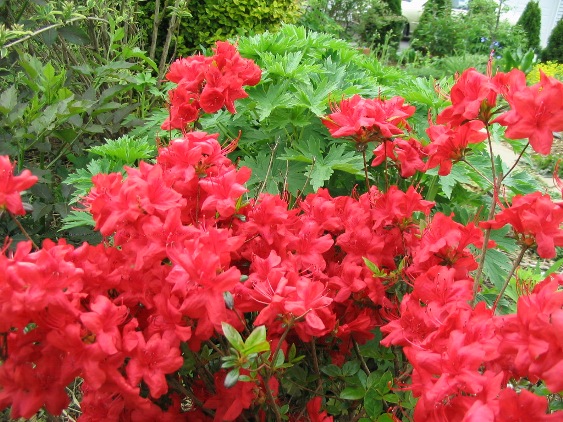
<point x="554" y="50"/>
<point x="530" y="21"/>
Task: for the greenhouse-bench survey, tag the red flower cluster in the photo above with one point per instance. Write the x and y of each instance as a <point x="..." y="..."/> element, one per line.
<point x="11" y="186"/>
<point x="185" y="252"/>
<point x="368" y="120"/>
<point x="535" y="219"/>
<point x="208" y="84"/>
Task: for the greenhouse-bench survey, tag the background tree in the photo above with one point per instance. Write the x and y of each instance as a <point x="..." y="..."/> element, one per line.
<point x="554" y="50"/>
<point x="530" y="21"/>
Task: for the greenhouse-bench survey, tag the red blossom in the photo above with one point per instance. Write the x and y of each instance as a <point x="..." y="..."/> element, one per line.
<point x="368" y="120"/>
<point x="536" y="112"/>
<point x="473" y="97"/>
<point x="11" y="186"/>
<point x="449" y="145"/>
<point x="535" y="219"/>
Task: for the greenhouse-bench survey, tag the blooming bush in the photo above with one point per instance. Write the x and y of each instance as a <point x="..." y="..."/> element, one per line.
<point x="203" y="304"/>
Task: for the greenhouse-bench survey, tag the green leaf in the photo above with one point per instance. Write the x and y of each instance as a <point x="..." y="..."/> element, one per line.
<point x="373" y="403"/>
<point x="280" y="358"/>
<point x="8" y="100"/>
<point x="352" y="393"/>
<point x="350" y="368"/>
<point x="232" y="377"/>
<point x="332" y="370"/>
<point x="269" y="99"/>
<point x="497" y="265"/>
<point x="233" y="336"/>
<point x="256" y="341"/>
<point x="77" y="219"/>
<point x="74" y="35"/>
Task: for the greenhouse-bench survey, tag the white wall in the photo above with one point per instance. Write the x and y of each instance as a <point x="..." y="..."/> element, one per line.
<point x="552" y="11"/>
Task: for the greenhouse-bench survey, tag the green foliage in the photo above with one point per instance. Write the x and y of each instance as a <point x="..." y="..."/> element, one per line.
<point x="518" y="60"/>
<point x="442" y="33"/>
<point x="315" y="18"/>
<point x="381" y="23"/>
<point x="212" y="20"/>
<point x="113" y="156"/>
<point x="75" y="75"/>
<point x="283" y="139"/>
<point x="530" y="21"/>
<point x="554" y="50"/>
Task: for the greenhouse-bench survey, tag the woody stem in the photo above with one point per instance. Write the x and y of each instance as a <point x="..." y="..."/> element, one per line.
<point x="512" y="271"/>
<point x="487" y="235"/>
<point x="365" y="168"/>
<point x="26" y="234"/>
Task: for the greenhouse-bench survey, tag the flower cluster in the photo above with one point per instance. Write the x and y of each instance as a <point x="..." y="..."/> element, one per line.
<point x="141" y="317"/>
<point x="208" y="84"/>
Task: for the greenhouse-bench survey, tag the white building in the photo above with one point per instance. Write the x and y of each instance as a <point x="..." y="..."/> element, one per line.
<point x="551" y="13"/>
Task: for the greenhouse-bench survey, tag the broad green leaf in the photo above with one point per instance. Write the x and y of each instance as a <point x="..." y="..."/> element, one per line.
<point x="256" y="341"/>
<point x="352" y="393"/>
<point x="373" y="403"/>
<point x="8" y="100"/>
<point x="350" y="368"/>
<point x="74" y="35"/>
<point x="332" y="370"/>
<point x="232" y="377"/>
<point x="233" y="336"/>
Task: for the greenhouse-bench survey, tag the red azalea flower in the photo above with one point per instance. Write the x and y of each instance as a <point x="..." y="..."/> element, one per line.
<point x="535" y="219"/>
<point x="406" y="154"/>
<point x="366" y="120"/>
<point x="473" y="97"/>
<point x="11" y="186"/>
<point x="449" y="144"/>
<point x="523" y="406"/>
<point x="536" y="112"/>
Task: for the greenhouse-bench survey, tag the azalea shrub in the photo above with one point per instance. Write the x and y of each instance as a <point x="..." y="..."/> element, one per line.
<point x="203" y="303"/>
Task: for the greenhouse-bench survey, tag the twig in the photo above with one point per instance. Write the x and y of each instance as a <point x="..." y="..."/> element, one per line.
<point x="512" y="271"/>
<point x="53" y="26"/>
<point x="362" y="361"/>
<point x="26" y="234"/>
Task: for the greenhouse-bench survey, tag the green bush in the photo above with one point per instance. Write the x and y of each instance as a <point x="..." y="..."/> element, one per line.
<point x="530" y="21"/>
<point x="206" y="21"/>
<point x="441" y="33"/>
<point x="554" y="50"/>
<point x="381" y="23"/>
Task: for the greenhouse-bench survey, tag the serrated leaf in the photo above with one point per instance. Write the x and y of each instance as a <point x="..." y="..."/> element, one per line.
<point x="8" y="100"/>
<point x="267" y="99"/>
<point x="497" y="265"/>
<point x="319" y="175"/>
<point x="77" y="218"/>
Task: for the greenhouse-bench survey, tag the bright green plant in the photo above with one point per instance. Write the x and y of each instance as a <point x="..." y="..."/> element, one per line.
<point x="518" y="60"/>
<point x="381" y="23"/>
<point x="530" y="21"/>
<point x="554" y="50"/>
<point x="548" y="68"/>
<point x="202" y="22"/>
